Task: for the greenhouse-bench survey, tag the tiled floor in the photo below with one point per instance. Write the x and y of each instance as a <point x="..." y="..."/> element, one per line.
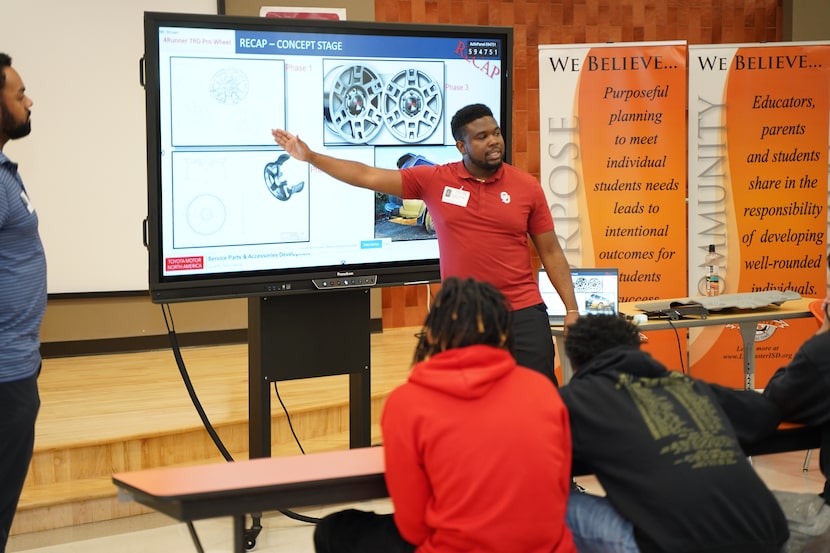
<point x="158" y="533"/>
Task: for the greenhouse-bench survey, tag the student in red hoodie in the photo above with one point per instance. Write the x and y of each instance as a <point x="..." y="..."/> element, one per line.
<point x="478" y="452"/>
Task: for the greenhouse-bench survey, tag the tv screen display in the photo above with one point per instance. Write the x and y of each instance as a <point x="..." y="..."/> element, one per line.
<point x="230" y="214"/>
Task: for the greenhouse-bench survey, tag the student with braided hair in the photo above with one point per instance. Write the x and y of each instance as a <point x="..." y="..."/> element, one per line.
<point x="478" y="452"/>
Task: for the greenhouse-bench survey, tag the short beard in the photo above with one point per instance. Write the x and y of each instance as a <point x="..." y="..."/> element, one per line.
<point x="11" y="128"/>
<point x="486" y="165"/>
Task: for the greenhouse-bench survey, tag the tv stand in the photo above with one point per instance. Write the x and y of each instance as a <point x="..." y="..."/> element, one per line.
<point x="306" y="336"/>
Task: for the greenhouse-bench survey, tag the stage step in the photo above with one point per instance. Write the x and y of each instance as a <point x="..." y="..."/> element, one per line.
<point x="115" y="413"/>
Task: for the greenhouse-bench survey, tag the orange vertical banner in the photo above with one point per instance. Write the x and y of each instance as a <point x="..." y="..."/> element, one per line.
<point x="614" y="164"/>
<point x="759" y="117"/>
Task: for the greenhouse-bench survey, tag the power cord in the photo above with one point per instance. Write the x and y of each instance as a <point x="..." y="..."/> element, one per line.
<point x="679" y="347"/>
<point x="256" y="527"/>
<point x="177" y="354"/>
<point x="288" y="418"/>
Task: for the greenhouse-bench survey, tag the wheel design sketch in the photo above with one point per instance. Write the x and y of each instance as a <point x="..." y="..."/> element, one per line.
<point x="279" y="187"/>
<point x="206" y="214"/>
<point x="229" y="86"/>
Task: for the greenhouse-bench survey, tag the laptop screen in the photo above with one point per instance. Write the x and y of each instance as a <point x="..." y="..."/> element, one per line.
<point x="596" y="291"/>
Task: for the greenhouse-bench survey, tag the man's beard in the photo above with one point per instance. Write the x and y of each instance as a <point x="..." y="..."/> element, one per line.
<point x="11" y="128"/>
<point x="487" y="165"/>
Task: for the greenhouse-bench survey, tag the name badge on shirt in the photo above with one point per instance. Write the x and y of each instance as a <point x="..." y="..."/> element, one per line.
<point x="28" y="202"/>
<point x="456" y="196"/>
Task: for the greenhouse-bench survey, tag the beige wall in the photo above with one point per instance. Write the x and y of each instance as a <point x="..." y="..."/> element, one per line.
<point x="74" y="319"/>
<point x="101" y="318"/>
<point x="806" y="20"/>
<point x="90" y="318"/>
<point x="356" y="10"/>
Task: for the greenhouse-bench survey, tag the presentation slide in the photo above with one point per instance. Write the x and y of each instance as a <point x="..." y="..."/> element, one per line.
<point x="231" y="201"/>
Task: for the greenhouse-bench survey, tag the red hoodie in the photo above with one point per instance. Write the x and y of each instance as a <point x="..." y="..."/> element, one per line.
<point x="478" y="456"/>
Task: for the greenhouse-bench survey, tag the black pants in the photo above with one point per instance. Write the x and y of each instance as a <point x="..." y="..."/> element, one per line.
<point x="353" y="531"/>
<point x="19" y="404"/>
<point x="533" y="340"/>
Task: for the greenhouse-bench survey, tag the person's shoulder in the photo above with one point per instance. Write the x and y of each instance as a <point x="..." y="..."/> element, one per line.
<point x="581" y="397"/>
<point x="520" y="179"/>
<point x="819" y="339"/>
<point x="514" y="171"/>
<point x="7" y="170"/>
<point x="401" y="390"/>
<point x="421" y="171"/>
<point x="534" y="388"/>
<point x="452" y="166"/>
<point x="595" y="379"/>
<point x="400" y="400"/>
<point x="817" y="348"/>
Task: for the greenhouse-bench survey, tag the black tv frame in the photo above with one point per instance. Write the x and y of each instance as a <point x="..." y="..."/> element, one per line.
<point x="300" y="279"/>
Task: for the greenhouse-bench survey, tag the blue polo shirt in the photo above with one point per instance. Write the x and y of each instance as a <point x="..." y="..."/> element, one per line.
<point x="22" y="278"/>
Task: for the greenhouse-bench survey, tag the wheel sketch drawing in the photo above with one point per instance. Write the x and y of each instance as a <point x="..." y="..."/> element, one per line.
<point x="206" y="214"/>
<point x="229" y="86"/>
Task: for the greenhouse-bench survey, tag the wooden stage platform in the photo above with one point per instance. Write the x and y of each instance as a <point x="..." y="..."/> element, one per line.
<point x="114" y="413"/>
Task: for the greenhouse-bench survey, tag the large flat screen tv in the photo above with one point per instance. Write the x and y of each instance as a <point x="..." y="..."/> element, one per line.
<point x="232" y="215"/>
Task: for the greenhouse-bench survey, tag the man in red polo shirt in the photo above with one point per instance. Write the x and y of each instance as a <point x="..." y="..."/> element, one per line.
<point x="483" y="210"/>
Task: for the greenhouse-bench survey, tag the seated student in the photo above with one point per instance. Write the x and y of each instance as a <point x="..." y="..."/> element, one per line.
<point x="801" y="390"/>
<point x="478" y="454"/>
<point x="664" y="450"/>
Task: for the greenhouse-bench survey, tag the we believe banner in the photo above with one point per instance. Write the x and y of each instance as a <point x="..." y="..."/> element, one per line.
<point x="613" y="164"/>
<point x="758" y="164"/>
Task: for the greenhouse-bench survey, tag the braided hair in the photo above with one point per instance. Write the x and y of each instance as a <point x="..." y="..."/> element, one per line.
<point x="465" y="313"/>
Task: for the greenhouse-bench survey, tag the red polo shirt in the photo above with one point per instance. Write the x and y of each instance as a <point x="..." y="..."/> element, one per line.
<point x="483" y="227"/>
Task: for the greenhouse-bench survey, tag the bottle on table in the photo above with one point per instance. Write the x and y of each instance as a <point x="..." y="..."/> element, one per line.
<point x="712" y="280"/>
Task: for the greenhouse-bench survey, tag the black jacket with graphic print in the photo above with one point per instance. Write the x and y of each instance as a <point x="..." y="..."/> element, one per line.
<point x="662" y="446"/>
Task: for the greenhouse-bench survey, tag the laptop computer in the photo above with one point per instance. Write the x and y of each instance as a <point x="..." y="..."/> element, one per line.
<point x="596" y="290"/>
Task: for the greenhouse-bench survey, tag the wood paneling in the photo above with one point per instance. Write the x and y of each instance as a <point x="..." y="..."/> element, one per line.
<point x="568" y="22"/>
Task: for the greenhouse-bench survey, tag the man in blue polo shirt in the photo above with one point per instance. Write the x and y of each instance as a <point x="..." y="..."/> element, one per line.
<point x="22" y="303"/>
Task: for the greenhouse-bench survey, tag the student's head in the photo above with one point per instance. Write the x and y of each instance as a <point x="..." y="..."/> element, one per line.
<point x="591" y="335"/>
<point x="478" y="137"/>
<point x="14" y="104"/>
<point x="465" y="313"/>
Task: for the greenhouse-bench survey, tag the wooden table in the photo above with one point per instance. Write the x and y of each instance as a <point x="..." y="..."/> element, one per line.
<point x="746" y="319"/>
<point x="257" y="485"/>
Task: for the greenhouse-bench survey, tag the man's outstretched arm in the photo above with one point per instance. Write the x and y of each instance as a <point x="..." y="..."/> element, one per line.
<point x="351" y="172"/>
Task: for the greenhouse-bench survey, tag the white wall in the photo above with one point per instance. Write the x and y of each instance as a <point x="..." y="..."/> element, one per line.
<point x="84" y="165"/>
